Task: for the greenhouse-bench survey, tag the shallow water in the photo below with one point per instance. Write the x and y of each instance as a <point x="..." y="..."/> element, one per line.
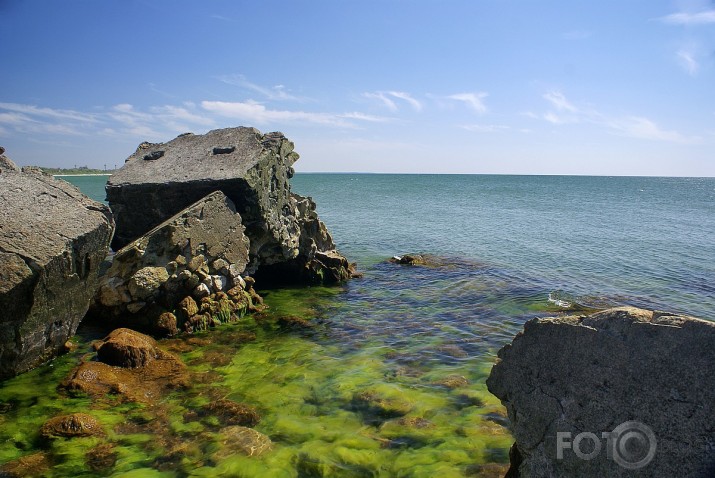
<point x="510" y="248"/>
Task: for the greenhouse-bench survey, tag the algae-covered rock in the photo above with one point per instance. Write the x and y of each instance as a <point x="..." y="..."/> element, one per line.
<point x="637" y="374"/>
<point x="102" y="458"/>
<point x="233" y="413"/>
<point x="35" y="464"/>
<point x="379" y="405"/>
<point x="238" y="439"/>
<point x="71" y="426"/>
<point x="52" y="241"/>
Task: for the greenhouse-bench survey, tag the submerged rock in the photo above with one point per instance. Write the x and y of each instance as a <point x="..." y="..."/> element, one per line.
<point x="137" y="370"/>
<point x="642" y="376"/>
<point x="52" y="242"/>
<point x="232" y="413"/>
<point x="36" y="464"/>
<point x="238" y="439"/>
<point x="71" y="426"/>
<point x="287" y="240"/>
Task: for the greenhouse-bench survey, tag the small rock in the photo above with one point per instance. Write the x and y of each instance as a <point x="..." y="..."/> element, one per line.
<point x="238" y="439"/>
<point x="101" y="458"/>
<point x="188" y="307"/>
<point x="453" y="381"/>
<point x="197" y="263"/>
<point x="146" y="281"/>
<point x="219" y="283"/>
<point x="166" y="325"/>
<point x="232" y="413"/>
<point x="220" y="265"/>
<point x="127" y="348"/>
<point x="135" y="307"/>
<point x="71" y="426"/>
<point x="201" y="291"/>
<point x="184" y="275"/>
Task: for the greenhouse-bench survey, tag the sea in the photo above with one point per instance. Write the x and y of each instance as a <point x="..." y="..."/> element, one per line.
<point x="390" y="378"/>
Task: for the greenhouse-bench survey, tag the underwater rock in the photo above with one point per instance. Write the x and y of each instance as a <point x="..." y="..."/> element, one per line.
<point x="232" y="413"/>
<point x="250" y="168"/>
<point x="637" y="374"/>
<point x="142" y="372"/>
<point x="127" y="348"/>
<point x="453" y="381"/>
<point x="101" y="458"/>
<point x="238" y="439"/>
<point x="378" y="406"/>
<point x="36" y="464"/>
<point x="294" y="322"/>
<point x="160" y="271"/>
<point x="52" y="242"/>
<point x="71" y="426"/>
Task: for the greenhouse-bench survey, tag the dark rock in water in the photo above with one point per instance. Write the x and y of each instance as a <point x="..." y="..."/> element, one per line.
<point x="200" y="251"/>
<point x="101" y="458"/>
<point x="52" y="242"/>
<point x="250" y="168"/>
<point x="232" y="413"/>
<point x="644" y="377"/>
<point x="71" y="426"/>
<point x="380" y="405"/>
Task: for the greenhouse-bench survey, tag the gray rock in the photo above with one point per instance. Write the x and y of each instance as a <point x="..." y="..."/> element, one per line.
<point x="593" y="374"/>
<point x="209" y="230"/>
<point x="253" y="170"/>
<point x="52" y="242"/>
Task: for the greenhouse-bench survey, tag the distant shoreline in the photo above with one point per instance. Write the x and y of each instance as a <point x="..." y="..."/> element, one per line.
<point x="90" y="174"/>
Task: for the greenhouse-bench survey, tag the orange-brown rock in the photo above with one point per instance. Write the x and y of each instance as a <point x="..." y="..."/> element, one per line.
<point x="127" y="348"/>
<point x="71" y="426"/>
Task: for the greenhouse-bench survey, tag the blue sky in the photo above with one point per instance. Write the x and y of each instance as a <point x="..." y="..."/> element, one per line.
<point x="621" y="87"/>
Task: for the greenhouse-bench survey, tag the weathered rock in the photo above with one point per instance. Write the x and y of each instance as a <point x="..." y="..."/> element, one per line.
<point x="253" y="170"/>
<point x="71" y="426"/>
<point x="52" y="241"/>
<point x="615" y="371"/>
<point x="153" y="274"/>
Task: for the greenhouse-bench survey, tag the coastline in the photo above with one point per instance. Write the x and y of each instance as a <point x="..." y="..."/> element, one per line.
<point x="91" y="174"/>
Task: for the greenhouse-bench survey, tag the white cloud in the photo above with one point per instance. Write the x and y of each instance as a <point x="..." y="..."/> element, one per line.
<point x="364" y="117"/>
<point x="387" y="98"/>
<point x="473" y="100"/>
<point x="644" y="128"/>
<point x="257" y="113"/>
<point x="687" y="60"/>
<point x="684" y="18"/>
<point x="32" y="110"/>
<point x="485" y="128"/>
<point x="275" y="93"/>
<point x="559" y="101"/>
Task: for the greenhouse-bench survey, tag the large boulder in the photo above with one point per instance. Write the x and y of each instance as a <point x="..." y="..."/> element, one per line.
<point x="252" y="170"/>
<point x="199" y="252"/>
<point x="623" y="392"/>
<point x="52" y="242"/>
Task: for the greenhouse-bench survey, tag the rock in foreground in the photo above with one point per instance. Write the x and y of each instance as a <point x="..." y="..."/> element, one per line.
<point x="253" y="171"/>
<point x="617" y="371"/>
<point x="52" y="241"/>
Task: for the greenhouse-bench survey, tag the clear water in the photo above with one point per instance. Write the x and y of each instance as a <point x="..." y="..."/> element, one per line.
<point x="508" y="244"/>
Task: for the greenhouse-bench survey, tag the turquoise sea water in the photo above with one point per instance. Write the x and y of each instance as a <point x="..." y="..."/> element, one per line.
<point x="390" y="380"/>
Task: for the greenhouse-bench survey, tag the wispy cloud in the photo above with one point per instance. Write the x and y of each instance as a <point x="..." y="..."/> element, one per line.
<point x="630" y="126"/>
<point x="275" y="93"/>
<point x="687" y="60"/>
<point x="644" y="128"/>
<point x="257" y="113"/>
<point x="387" y="98"/>
<point x="473" y="100"/>
<point x="32" y="110"/>
<point x="485" y="128"/>
<point x="559" y="101"/>
<point x="703" y="17"/>
<point x="365" y="117"/>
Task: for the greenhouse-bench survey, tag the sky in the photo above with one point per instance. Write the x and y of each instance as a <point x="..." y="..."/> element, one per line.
<point x="614" y="87"/>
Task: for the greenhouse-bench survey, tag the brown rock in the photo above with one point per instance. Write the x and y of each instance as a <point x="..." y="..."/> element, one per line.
<point x="238" y="439"/>
<point x="36" y="464"/>
<point x="127" y="348"/>
<point x="70" y="426"/>
<point x="232" y="413"/>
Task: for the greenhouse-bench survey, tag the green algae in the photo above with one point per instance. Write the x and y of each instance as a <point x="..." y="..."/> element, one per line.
<point x="353" y="388"/>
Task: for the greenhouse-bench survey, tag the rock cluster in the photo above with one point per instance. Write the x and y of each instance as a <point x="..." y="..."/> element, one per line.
<point x="644" y="377"/>
<point x="52" y="242"/>
<point x="184" y="274"/>
<point x="286" y="240"/>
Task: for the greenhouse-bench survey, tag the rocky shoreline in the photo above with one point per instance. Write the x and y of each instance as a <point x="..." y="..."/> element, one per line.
<point x="193" y="221"/>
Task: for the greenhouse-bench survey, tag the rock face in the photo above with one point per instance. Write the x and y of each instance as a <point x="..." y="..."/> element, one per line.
<point x="191" y="256"/>
<point x="253" y="171"/>
<point x="52" y="242"/>
<point x="626" y="371"/>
